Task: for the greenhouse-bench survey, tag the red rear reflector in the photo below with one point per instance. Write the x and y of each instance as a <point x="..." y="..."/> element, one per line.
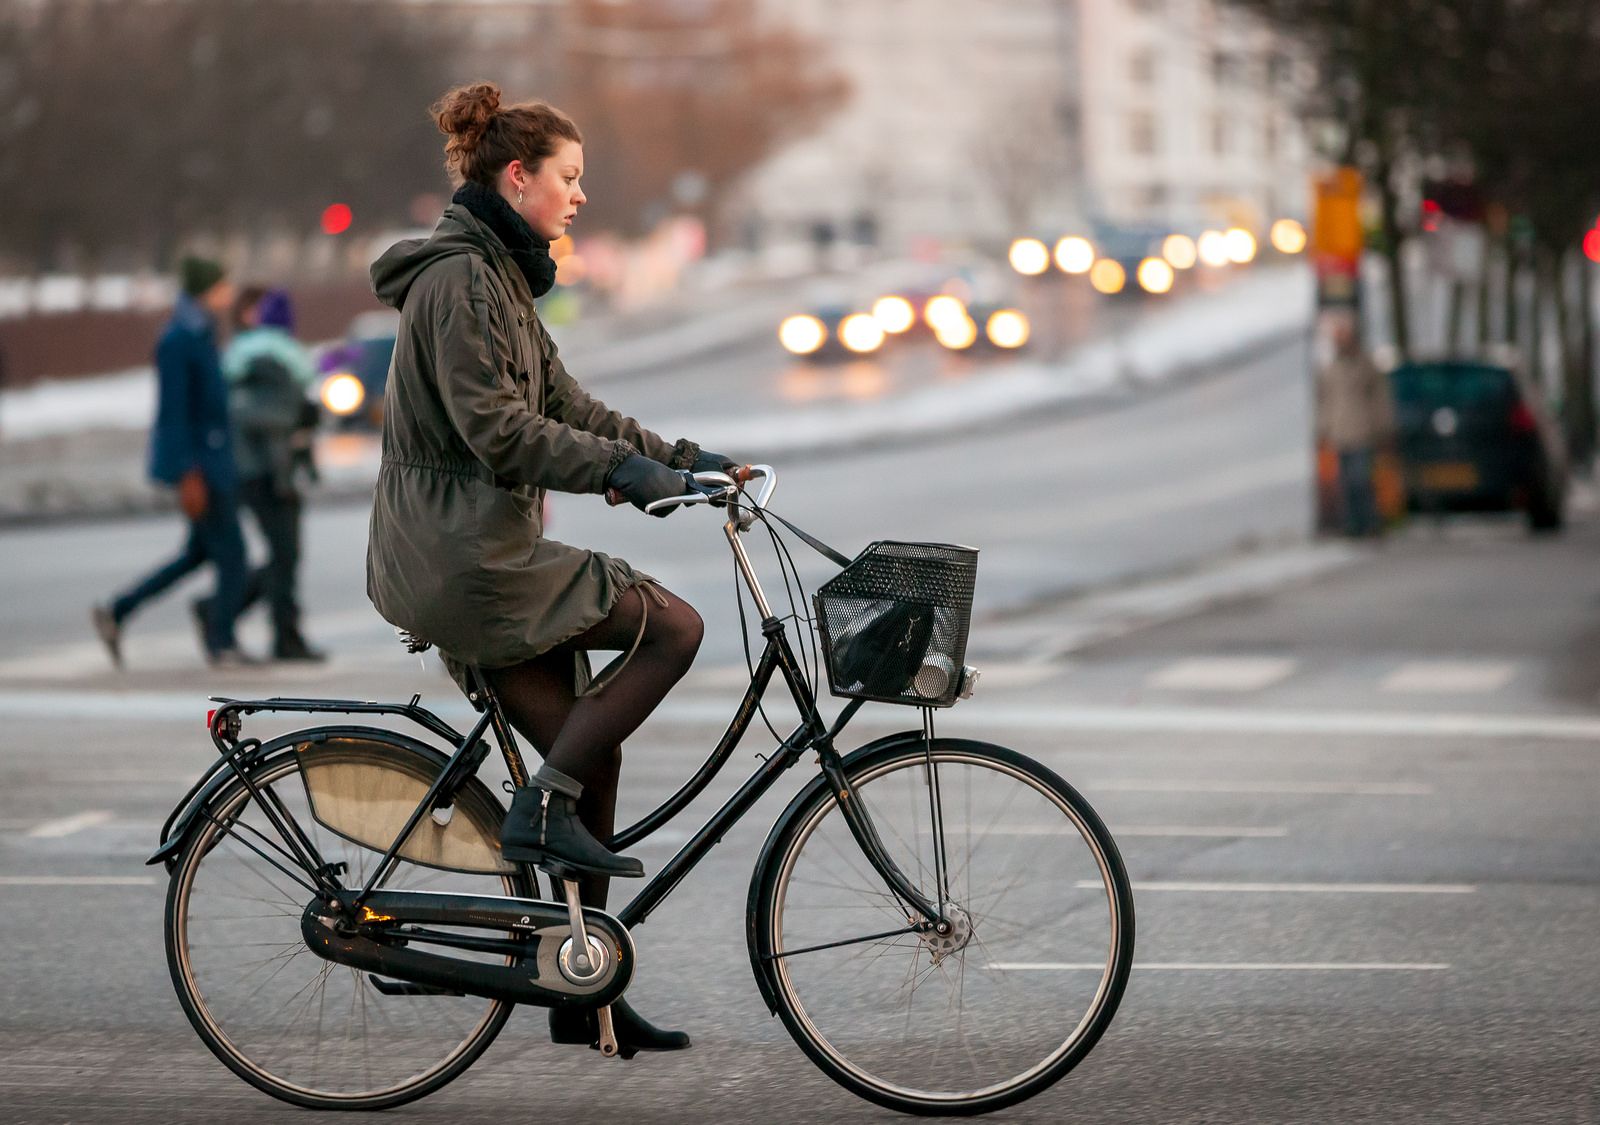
<point x="1522" y="421"/>
<point x="210" y="715"/>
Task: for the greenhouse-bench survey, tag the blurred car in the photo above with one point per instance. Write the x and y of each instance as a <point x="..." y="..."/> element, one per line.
<point x="831" y="333"/>
<point x="837" y="324"/>
<point x="1475" y="436"/>
<point x="355" y="371"/>
<point x="1133" y="261"/>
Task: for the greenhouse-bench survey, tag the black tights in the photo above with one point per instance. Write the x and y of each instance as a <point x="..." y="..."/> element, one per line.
<point x="582" y="735"/>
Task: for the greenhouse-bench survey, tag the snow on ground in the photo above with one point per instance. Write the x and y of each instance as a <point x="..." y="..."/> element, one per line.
<point x="1197" y="330"/>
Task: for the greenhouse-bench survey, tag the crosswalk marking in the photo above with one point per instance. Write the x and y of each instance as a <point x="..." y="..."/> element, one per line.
<point x="77" y="881"/>
<point x="1230" y="966"/>
<point x="67" y="825"/>
<point x="1307" y="788"/>
<point x="1223" y="673"/>
<point x="1295" y="888"/>
<point x="1449" y="677"/>
<point x="1198" y="831"/>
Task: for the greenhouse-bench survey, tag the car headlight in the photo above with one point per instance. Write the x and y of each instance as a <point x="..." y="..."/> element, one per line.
<point x="895" y="314"/>
<point x="802" y="335"/>
<point x="956" y="334"/>
<point x="943" y="309"/>
<point x="1007" y="328"/>
<point x="861" y="333"/>
<point x="1074" y="254"/>
<point x="343" y="393"/>
<point x="1108" y="276"/>
<point x="1155" y="275"/>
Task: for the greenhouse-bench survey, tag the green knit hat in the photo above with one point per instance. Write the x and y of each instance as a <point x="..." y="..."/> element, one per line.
<point x="199" y="274"/>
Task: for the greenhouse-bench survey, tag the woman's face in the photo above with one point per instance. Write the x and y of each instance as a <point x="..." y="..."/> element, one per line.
<point x="551" y="195"/>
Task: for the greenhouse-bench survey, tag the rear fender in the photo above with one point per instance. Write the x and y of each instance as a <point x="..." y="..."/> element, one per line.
<point x="188" y="814"/>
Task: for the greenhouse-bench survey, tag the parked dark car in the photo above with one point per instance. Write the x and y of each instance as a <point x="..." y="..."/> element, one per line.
<point x="1476" y="436"/>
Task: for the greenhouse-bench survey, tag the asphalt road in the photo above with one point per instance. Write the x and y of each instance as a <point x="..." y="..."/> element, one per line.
<point x="1358" y="813"/>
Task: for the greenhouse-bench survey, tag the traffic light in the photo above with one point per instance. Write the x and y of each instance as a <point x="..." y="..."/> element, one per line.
<point x="336" y="218"/>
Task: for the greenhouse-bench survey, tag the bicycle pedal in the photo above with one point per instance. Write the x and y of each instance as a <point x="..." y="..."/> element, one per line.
<point x="608" y="1033"/>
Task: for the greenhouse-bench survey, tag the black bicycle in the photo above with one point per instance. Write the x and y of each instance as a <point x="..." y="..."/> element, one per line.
<point x="944" y="926"/>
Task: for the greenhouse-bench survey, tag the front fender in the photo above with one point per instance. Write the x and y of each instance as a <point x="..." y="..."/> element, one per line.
<point x="801" y="801"/>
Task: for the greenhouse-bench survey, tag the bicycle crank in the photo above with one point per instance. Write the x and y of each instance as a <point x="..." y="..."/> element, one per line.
<point x="383" y="935"/>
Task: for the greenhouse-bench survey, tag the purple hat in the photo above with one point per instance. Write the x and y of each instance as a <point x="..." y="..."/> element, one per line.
<point x="275" y="310"/>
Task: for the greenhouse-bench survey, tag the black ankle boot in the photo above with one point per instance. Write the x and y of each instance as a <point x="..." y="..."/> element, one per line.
<point x="634" y="1033"/>
<point x="543" y="828"/>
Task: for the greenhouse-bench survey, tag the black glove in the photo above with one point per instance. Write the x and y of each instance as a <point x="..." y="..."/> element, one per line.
<point x="642" y="481"/>
<point x="713" y="463"/>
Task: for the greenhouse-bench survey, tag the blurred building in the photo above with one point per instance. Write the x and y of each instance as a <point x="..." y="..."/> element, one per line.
<point x="975" y="122"/>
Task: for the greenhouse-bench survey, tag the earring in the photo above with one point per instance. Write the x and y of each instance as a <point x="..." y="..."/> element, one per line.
<point x="519" y="199"/>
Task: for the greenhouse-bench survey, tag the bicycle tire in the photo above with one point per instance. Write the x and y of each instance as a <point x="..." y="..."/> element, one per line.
<point x="385" y="750"/>
<point x="775" y="885"/>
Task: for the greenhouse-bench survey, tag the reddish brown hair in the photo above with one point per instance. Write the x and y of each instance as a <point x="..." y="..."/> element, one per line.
<point x="486" y="136"/>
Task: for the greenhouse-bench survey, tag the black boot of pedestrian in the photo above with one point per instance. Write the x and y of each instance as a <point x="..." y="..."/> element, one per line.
<point x="543" y="828"/>
<point x="293" y="646"/>
<point x="634" y="1033"/>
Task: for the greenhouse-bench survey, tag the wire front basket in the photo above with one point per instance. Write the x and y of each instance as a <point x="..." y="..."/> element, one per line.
<point x="894" y="623"/>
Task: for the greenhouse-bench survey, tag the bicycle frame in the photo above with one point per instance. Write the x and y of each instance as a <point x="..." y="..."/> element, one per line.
<point x="812" y="734"/>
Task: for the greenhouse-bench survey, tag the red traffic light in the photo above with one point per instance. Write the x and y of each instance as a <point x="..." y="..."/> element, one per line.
<point x="336" y="218"/>
<point x="1591" y="246"/>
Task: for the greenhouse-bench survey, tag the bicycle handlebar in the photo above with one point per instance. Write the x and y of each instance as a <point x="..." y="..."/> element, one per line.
<point x="712" y="487"/>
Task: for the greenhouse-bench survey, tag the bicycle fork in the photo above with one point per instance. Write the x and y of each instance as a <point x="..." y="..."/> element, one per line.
<point x="866" y="836"/>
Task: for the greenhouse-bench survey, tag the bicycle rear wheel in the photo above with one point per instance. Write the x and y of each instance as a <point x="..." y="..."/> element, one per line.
<point x="291" y="1024"/>
<point x="982" y="1018"/>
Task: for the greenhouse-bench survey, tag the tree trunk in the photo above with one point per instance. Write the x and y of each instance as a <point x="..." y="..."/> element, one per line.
<point x="1510" y="325"/>
<point x="1578" y="408"/>
<point x="1535" y="351"/>
<point x="1393" y="244"/>
<point x="1456" y="317"/>
<point x="1485" y="281"/>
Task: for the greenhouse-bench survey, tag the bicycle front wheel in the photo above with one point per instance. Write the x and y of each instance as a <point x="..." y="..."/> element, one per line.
<point x="297" y="1027"/>
<point x="987" y="1015"/>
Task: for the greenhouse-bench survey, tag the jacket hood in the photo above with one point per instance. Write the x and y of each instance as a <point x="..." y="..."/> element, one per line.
<point x="458" y="232"/>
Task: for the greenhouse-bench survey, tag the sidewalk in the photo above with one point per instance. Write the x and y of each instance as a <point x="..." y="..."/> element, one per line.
<point x="82" y="447"/>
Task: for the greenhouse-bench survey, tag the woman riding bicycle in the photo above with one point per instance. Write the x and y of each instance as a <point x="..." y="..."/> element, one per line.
<point x="480" y="420"/>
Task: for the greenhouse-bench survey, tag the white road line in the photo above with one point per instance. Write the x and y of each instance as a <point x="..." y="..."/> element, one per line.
<point x="1223" y="673"/>
<point x="1231" y="966"/>
<point x="77" y="881"/>
<point x="1296" y="888"/>
<point x="1198" y="830"/>
<point x="1449" y="677"/>
<point x="1264" y="720"/>
<point x="1307" y="788"/>
<point x="67" y="825"/>
<point x="1205" y="831"/>
<point x="169" y="706"/>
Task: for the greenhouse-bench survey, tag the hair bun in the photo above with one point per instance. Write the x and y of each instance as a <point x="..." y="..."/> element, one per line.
<point x="464" y="115"/>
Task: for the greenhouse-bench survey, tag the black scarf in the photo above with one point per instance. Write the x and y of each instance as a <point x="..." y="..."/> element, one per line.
<point x="528" y="250"/>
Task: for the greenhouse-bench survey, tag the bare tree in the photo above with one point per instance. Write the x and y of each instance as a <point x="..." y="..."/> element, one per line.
<point x="143" y="122"/>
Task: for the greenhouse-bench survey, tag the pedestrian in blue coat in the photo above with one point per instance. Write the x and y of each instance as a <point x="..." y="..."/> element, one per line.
<point x="191" y="451"/>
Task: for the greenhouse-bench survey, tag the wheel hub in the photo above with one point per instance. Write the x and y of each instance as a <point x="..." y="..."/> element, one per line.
<point x="957" y="933"/>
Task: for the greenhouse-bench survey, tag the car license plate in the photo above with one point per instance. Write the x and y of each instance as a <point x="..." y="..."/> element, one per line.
<point x="1449" y="476"/>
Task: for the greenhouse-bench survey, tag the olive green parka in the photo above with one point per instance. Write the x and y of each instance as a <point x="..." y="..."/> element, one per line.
<point x="480" y="420"/>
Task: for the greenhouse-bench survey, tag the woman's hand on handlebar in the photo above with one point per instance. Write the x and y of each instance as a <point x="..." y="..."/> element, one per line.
<point x="641" y="481"/>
